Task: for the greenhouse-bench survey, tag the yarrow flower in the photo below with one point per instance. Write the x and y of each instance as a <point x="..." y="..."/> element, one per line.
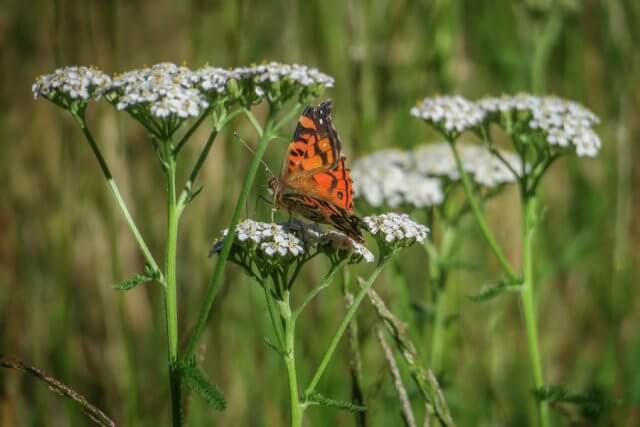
<point x="389" y="177"/>
<point x="213" y="80"/>
<point x="393" y="230"/>
<point x="417" y="177"/>
<point x="278" y="82"/>
<point x="290" y="241"/>
<point x="164" y="90"/>
<point x="562" y="122"/>
<point x="266" y="239"/>
<point x="451" y="114"/>
<point x="485" y="168"/>
<point x="71" y="84"/>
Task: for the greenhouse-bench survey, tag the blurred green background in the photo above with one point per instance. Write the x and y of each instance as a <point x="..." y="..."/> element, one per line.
<point x="63" y="242"/>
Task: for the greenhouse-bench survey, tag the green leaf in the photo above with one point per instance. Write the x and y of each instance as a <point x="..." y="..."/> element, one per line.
<point x="343" y="405"/>
<point x="592" y="402"/>
<point x="132" y="282"/>
<point x="492" y="291"/>
<point x="199" y="383"/>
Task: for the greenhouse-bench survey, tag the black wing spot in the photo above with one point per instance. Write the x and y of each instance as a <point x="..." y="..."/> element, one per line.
<point x="340" y="195"/>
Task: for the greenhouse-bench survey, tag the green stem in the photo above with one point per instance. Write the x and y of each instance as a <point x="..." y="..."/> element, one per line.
<point x="528" y="305"/>
<point x="192" y="129"/>
<point x="216" y="279"/>
<point x="477" y="213"/>
<point x="170" y="294"/>
<point x="439" y="279"/>
<point x="204" y="153"/>
<point x="542" y="50"/>
<point x="186" y="191"/>
<point x="295" y="110"/>
<point x="119" y="200"/>
<point x="290" y="360"/>
<point x="342" y="328"/>
<point x="324" y="283"/>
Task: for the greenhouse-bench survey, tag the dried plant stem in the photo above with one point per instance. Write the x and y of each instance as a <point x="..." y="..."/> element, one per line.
<point x="424" y="379"/>
<point x="405" y="403"/>
<point x="90" y="410"/>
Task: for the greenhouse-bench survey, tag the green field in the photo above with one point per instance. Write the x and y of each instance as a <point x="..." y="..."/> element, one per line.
<point x="64" y="242"/>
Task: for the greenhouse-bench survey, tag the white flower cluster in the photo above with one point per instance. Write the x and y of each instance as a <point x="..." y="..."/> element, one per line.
<point x="454" y="114"/>
<point x="165" y="88"/>
<point x="395" y="177"/>
<point x="388" y="177"/>
<point x="279" y="240"/>
<point x="485" y="168"/>
<point x="396" y="228"/>
<point x="213" y="79"/>
<point x="563" y="122"/>
<point x="275" y="71"/>
<point x="73" y="83"/>
<point x="271" y="240"/>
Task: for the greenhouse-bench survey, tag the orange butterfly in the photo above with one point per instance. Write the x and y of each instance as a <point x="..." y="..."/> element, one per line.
<point x="314" y="183"/>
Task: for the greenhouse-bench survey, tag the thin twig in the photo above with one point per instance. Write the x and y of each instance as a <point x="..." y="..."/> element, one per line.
<point x="405" y="403"/>
<point x="424" y="379"/>
<point x="90" y="410"/>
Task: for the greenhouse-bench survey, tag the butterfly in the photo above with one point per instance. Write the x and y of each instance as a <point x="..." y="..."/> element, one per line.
<point x="314" y="183"/>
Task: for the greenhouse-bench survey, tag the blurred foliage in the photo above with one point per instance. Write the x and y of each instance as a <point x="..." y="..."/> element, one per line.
<point x="63" y="243"/>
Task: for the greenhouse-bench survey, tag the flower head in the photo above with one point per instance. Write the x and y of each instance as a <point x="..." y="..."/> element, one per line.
<point x="389" y="177"/>
<point x="394" y="231"/>
<point x="486" y="168"/>
<point x="71" y="84"/>
<point x="213" y="81"/>
<point x="451" y="115"/>
<point x="264" y="239"/>
<point x="562" y="123"/>
<point x="278" y="82"/>
<point x="416" y="178"/>
<point x="164" y="91"/>
<point x="280" y="244"/>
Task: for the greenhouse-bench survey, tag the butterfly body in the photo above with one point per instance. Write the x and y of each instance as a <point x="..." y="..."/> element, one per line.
<point x="314" y="183"/>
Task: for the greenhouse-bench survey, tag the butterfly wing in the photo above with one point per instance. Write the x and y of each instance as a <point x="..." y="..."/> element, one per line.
<point x="315" y="181"/>
<point x="314" y="164"/>
<point x="315" y="145"/>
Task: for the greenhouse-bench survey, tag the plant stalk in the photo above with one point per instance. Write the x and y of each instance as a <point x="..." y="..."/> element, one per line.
<point x="528" y="304"/>
<point x="170" y="294"/>
<point x="439" y="281"/>
<point x="216" y="278"/>
<point x="116" y="194"/>
<point x="477" y="213"/>
<point x="341" y="329"/>
<point x="290" y="360"/>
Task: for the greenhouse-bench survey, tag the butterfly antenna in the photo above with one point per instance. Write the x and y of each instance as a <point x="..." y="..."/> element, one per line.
<point x="237" y="135"/>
